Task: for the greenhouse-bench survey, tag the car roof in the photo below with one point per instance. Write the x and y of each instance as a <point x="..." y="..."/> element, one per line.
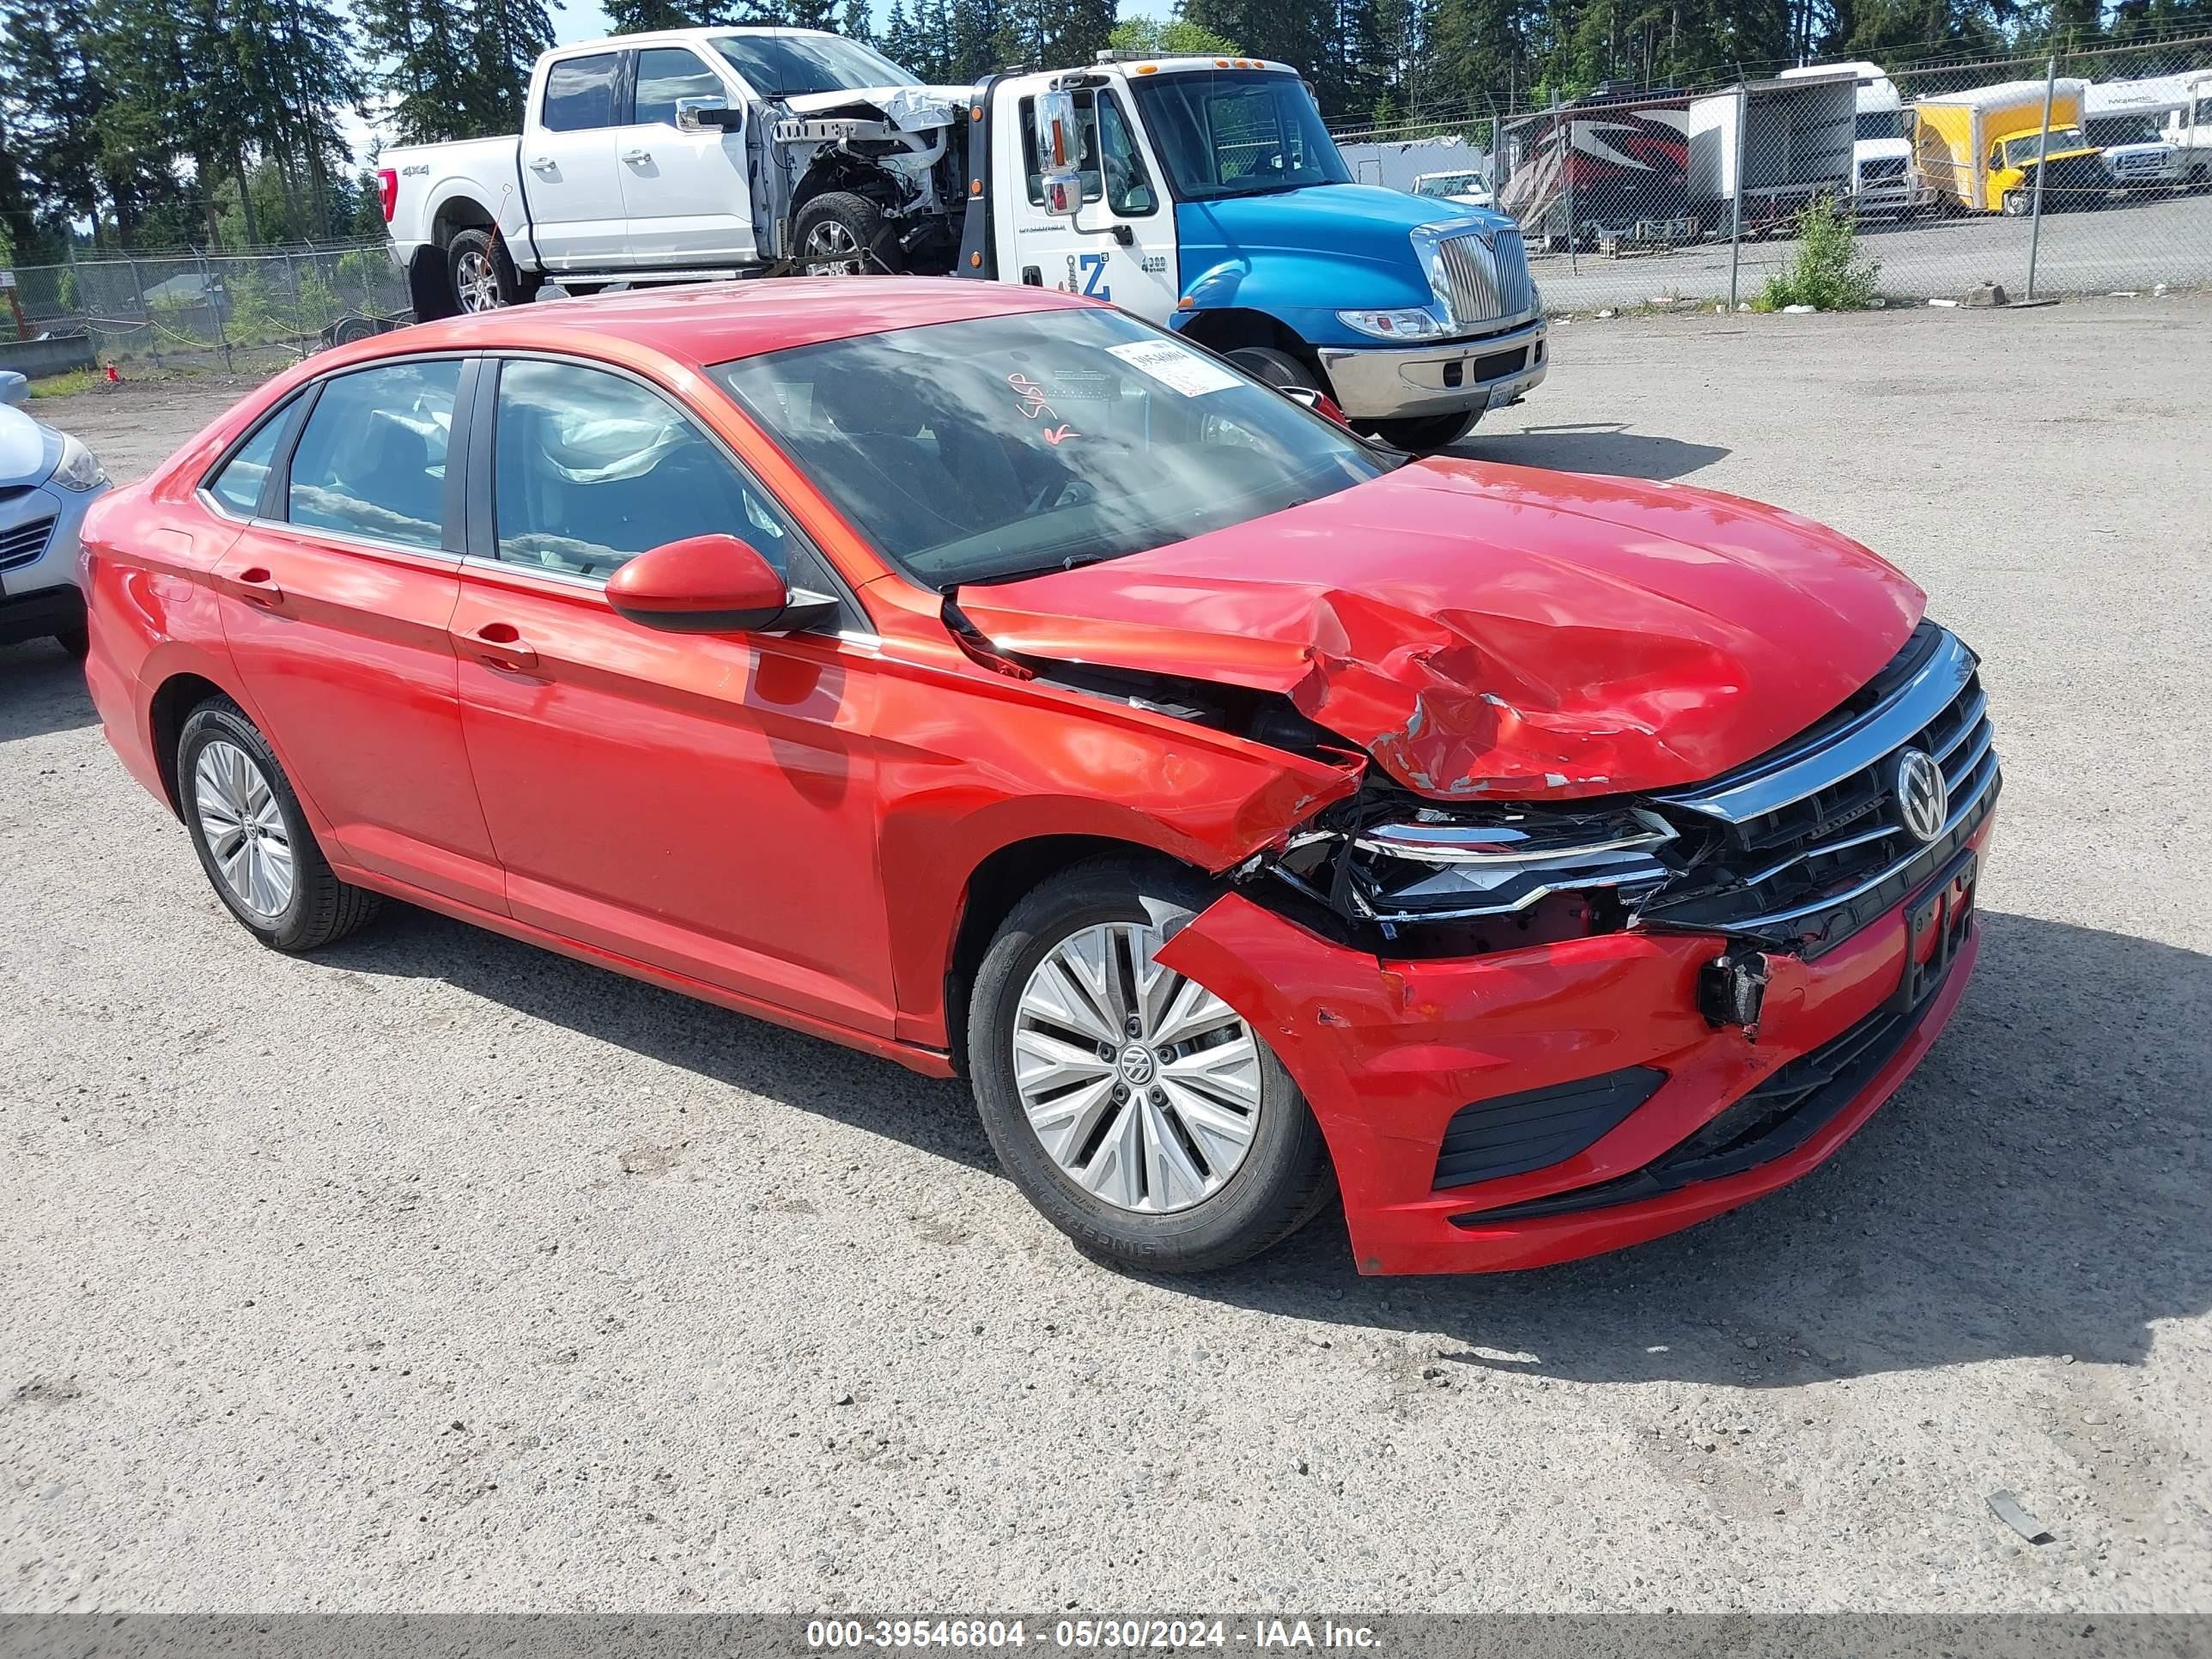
<point x="715" y="322"/>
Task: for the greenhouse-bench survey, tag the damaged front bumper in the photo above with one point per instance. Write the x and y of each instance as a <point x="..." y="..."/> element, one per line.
<point x="1563" y="1099"/>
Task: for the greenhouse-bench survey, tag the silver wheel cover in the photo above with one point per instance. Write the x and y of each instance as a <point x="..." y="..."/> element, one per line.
<point x="244" y="828"/>
<point x="1141" y="1086"/>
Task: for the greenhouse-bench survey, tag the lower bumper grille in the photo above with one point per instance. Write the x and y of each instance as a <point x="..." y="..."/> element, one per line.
<point x="1514" y="1134"/>
<point x="23" y="544"/>
<point x="1774" y="1119"/>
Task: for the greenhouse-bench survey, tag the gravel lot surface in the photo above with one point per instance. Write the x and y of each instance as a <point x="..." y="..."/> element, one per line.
<point x="2137" y="242"/>
<point x="438" y="1272"/>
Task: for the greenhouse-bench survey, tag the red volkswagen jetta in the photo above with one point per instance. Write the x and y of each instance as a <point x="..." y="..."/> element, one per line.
<point x="976" y="676"/>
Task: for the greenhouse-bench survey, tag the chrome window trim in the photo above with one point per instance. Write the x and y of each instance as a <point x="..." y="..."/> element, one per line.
<point x="1835" y="756"/>
<point x="444" y="556"/>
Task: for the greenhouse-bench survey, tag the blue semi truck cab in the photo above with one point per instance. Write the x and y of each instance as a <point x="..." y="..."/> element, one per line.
<point x="1205" y="194"/>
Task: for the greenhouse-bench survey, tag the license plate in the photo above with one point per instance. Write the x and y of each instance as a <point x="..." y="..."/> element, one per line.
<point x="1500" y="396"/>
<point x="1945" y="907"/>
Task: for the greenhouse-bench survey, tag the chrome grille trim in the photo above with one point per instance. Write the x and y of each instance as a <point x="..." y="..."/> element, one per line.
<point x="1790" y="776"/>
<point x="1482" y="277"/>
<point x="1982" y="779"/>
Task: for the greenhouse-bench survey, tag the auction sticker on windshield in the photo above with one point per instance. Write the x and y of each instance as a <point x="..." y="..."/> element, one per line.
<point x="1174" y="366"/>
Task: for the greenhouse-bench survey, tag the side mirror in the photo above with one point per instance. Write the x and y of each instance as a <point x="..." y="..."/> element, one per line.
<point x="712" y="585"/>
<point x="1059" y="147"/>
<point x="15" y="390"/>
<point x="704" y="114"/>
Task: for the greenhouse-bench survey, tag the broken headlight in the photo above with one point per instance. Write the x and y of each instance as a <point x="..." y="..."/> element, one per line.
<point x="1427" y="865"/>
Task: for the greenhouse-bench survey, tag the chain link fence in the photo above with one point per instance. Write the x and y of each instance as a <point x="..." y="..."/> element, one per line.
<point x="2082" y="172"/>
<point x="247" y="313"/>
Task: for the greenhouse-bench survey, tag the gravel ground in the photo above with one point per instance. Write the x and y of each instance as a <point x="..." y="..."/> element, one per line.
<point x="438" y="1272"/>
<point x="2136" y="242"/>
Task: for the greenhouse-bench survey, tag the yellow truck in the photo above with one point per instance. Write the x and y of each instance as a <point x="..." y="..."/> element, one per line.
<point x="1981" y="149"/>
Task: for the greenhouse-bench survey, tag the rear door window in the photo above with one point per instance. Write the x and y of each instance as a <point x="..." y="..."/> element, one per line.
<point x="239" y="485"/>
<point x="371" y="460"/>
<point x="579" y="93"/>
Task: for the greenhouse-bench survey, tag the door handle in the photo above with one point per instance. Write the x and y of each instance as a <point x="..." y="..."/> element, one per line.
<point x="635" y="156"/>
<point x="257" y="586"/>
<point x="541" y="164"/>
<point x="501" y="645"/>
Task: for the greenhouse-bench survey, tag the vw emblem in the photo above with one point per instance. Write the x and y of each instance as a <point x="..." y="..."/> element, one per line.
<point x="1923" y="800"/>
<point x="1137" y="1064"/>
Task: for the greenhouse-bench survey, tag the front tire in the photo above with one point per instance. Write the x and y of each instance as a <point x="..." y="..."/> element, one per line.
<point x="839" y="234"/>
<point x="1427" y="434"/>
<point x="254" y="840"/>
<point x="1278" y="368"/>
<point x="1140" y="1114"/>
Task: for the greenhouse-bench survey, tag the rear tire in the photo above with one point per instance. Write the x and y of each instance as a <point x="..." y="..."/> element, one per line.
<point x="255" y="843"/>
<point x="1427" y="434"/>
<point x="839" y="234"/>
<point x="1240" y="1164"/>
<point x="481" y="275"/>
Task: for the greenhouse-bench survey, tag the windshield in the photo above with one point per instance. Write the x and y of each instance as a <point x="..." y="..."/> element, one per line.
<point x="1238" y="134"/>
<point x="1882" y="124"/>
<point x="2105" y="130"/>
<point x="1005" y="445"/>
<point x="2018" y="152"/>
<point x="1448" y="183"/>
<point x="783" y="65"/>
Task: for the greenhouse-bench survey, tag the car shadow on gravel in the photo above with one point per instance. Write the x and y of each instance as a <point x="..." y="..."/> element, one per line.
<point x="791" y="1069"/>
<point x="1597" y="446"/>
<point x="2037" y="1188"/>
<point x="41" y="691"/>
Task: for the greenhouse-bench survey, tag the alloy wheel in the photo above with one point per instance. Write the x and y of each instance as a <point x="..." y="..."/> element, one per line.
<point x="244" y="828"/>
<point x="476" y="282"/>
<point x="1142" y="1086"/>
<point x="832" y="250"/>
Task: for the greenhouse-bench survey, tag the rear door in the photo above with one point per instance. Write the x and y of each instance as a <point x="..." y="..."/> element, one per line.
<point x="574" y="179"/>
<point x="683" y="191"/>
<point x="335" y="601"/>
<point x="1123" y="193"/>
<point x="705" y="804"/>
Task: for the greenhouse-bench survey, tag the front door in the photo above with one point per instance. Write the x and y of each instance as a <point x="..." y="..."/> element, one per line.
<point x="1121" y="189"/>
<point x="336" y="600"/>
<point x="704" y="804"/>
<point x="684" y="192"/>
<point x="572" y="178"/>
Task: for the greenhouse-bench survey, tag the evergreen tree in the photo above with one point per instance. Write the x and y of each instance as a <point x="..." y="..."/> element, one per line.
<point x="636" y="16"/>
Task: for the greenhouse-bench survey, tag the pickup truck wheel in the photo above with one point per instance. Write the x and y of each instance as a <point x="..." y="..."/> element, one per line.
<point x="1428" y="433"/>
<point x="483" y="276"/>
<point x="839" y="234"/>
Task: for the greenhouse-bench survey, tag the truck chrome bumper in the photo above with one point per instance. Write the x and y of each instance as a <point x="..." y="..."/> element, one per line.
<point x="1382" y="383"/>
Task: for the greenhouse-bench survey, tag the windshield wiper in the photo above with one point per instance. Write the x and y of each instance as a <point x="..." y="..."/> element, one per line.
<point x="1072" y="562"/>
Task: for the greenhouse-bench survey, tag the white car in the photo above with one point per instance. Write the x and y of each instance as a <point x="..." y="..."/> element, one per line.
<point x="47" y="479"/>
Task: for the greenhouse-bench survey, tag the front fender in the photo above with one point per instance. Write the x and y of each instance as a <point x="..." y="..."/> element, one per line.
<point x="1302" y="287"/>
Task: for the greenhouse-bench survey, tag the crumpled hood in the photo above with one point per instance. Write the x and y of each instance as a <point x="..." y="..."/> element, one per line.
<point x="29" y="450"/>
<point x="1498" y="631"/>
<point x="908" y="108"/>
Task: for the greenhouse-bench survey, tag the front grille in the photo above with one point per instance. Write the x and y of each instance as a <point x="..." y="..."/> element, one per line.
<point x="1806" y="845"/>
<point x="1893" y="168"/>
<point x="1773" y="1119"/>
<point x="21" y="544"/>
<point x="1484" y="277"/>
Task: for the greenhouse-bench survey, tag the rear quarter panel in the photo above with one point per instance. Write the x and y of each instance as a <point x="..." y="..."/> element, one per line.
<point x="483" y="174"/>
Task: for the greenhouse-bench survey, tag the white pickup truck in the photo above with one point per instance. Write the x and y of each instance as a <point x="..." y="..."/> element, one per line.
<point x="1202" y="194"/>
